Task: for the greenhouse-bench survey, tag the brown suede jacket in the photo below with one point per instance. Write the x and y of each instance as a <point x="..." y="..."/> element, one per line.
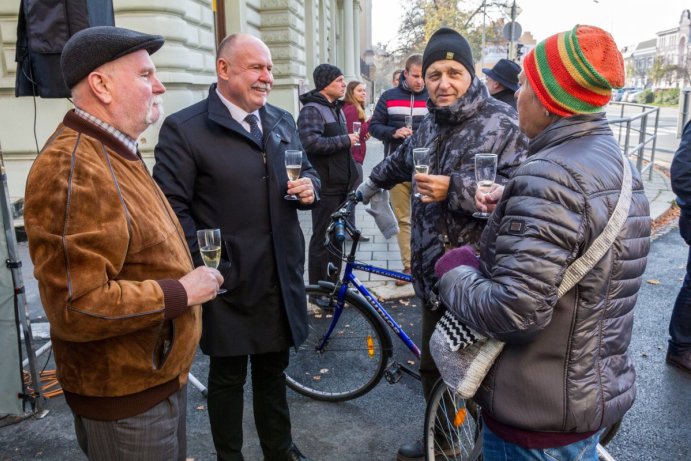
<point x="108" y="252"/>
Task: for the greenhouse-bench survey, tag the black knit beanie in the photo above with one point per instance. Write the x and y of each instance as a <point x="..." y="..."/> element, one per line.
<point x="324" y="74"/>
<point x="446" y="43"/>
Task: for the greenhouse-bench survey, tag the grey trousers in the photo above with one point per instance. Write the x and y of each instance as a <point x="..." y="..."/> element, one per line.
<point x="156" y="434"/>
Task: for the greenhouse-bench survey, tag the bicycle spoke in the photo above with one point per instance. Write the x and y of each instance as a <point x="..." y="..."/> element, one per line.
<point x="450" y="427"/>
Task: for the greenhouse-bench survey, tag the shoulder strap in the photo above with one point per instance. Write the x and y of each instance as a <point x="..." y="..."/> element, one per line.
<point x="575" y="272"/>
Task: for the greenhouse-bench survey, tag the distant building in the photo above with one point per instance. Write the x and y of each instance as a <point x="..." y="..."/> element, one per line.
<point x="641" y="61"/>
<point x="669" y="54"/>
<point x="673" y="51"/>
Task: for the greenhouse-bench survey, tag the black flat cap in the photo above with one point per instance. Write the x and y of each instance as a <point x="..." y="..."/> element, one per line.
<point x="92" y="47"/>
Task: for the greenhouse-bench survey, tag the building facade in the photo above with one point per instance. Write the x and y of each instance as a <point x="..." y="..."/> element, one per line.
<point x="300" y="33"/>
<point x="670" y="51"/>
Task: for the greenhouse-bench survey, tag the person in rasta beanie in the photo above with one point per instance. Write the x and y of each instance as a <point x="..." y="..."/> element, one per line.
<point x="323" y="133"/>
<point x="565" y="372"/>
<point x="463" y="120"/>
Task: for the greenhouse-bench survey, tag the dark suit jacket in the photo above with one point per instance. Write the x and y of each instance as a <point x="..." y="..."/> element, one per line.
<point x="216" y="176"/>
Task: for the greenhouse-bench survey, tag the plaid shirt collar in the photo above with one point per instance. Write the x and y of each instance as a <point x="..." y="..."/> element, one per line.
<point x="122" y="137"/>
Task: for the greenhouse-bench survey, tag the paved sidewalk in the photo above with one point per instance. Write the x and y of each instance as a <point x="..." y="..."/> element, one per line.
<point x="384" y="253"/>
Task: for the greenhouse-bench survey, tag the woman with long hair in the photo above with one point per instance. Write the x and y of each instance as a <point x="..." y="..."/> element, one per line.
<point x="354" y="110"/>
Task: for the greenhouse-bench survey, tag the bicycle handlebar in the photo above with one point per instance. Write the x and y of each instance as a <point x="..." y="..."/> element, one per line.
<point x="339" y="217"/>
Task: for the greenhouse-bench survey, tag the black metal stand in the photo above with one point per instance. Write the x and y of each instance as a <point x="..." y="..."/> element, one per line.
<point x="14" y="264"/>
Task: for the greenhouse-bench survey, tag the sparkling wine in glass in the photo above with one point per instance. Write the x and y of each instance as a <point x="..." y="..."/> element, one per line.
<point x="409" y="122"/>
<point x="210" y="248"/>
<point x="356" y="130"/>
<point x="421" y="163"/>
<point x="293" y="167"/>
<point x="485" y="173"/>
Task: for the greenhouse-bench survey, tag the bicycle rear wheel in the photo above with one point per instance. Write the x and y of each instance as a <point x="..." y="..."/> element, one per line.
<point x="451" y="427"/>
<point x="609" y="433"/>
<point x="350" y="363"/>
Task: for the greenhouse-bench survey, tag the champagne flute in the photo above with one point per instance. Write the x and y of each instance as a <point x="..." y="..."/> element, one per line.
<point x="356" y="130"/>
<point x="210" y="248"/>
<point x="421" y="162"/>
<point x="485" y="173"/>
<point x="293" y="167"/>
<point x="409" y="122"/>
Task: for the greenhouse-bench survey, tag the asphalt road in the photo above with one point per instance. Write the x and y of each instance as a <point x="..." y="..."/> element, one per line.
<point x="373" y="426"/>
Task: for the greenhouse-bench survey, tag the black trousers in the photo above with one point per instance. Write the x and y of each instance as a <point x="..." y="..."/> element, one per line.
<point x="429" y="373"/>
<point x="271" y="416"/>
<point x="680" y="322"/>
<point x="319" y="256"/>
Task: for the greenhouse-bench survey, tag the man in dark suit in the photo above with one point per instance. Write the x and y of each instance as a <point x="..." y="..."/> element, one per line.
<point x="221" y="164"/>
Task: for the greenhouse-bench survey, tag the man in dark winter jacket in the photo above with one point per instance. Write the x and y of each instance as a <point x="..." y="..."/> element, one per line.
<point x="502" y="81"/>
<point x="463" y="120"/>
<point x="407" y="99"/>
<point x="221" y="164"/>
<point x="679" y="350"/>
<point x="324" y="136"/>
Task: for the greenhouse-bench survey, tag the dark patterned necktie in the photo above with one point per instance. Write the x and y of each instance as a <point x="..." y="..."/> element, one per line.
<point x="256" y="133"/>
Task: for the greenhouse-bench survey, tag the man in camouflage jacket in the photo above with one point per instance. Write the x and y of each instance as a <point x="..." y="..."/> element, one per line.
<point x="463" y="120"/>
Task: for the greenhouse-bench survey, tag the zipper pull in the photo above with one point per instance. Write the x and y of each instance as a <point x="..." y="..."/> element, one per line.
<point x="264" y="157"/>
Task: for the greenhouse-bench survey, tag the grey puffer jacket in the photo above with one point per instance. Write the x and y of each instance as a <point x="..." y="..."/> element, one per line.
<point x="476" y="123"/>
<point x="565" y="366"/>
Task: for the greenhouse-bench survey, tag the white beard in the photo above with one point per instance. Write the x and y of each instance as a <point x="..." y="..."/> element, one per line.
<point x="158" y="122"/>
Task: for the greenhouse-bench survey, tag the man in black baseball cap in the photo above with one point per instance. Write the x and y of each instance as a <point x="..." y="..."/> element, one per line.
<point x="116" y="279"/>
<point x="502" y="81"/>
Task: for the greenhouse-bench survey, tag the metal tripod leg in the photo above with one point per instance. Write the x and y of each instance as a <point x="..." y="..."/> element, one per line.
<point x="22" y="313"/>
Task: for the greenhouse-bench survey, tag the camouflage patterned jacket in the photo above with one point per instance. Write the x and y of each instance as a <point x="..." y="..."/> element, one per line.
<point x="475" y="123"/>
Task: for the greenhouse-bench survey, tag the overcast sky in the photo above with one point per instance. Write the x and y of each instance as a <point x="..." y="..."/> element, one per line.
<point x="629" y="21"/>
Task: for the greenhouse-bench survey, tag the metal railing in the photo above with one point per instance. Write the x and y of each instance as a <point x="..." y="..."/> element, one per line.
<point x="635" y="121"/>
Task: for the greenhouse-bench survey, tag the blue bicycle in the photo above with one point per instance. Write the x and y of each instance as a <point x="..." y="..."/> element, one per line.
<point x="349" y="348"/>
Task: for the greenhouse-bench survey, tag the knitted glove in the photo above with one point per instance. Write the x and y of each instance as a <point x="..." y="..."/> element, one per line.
<point x="457" y="334"/>
<point x="381" y="211"/>
<point x="463" y="256"/>
<point x="366" y="190"/>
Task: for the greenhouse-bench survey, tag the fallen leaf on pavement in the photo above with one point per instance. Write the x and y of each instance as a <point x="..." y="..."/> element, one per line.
<point x="653" y="282"/>
<point x="201" y="407"/>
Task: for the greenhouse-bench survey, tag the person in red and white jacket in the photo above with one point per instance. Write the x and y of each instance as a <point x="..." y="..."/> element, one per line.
<point x="387" y="124"/>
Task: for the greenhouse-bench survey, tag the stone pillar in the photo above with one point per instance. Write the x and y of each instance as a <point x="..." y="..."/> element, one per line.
<point x="356" y="33"/>
<point x="348" y="41"/>
<point x="283" y="31"/>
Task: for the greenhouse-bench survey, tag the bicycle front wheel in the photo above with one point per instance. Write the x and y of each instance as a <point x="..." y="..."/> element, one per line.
<point x="451" y="427"/>
<point x="349" y="363"/>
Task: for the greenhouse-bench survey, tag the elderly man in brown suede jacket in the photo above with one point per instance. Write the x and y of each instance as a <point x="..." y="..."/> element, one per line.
<point x="115" y="275"/>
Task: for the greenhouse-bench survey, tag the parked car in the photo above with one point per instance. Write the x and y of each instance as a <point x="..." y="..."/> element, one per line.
<point x="619" y="93"/>
<point x="632" y="94"/>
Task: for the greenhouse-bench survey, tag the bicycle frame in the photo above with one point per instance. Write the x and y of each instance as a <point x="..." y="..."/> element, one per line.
<point x="349" y="279"/>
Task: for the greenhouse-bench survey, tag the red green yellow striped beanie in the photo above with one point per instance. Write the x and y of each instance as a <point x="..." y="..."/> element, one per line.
<point x="574" y="72"/>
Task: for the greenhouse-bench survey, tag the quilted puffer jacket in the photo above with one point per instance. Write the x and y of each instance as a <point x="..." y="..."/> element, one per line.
<point x="565" y="366"/>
